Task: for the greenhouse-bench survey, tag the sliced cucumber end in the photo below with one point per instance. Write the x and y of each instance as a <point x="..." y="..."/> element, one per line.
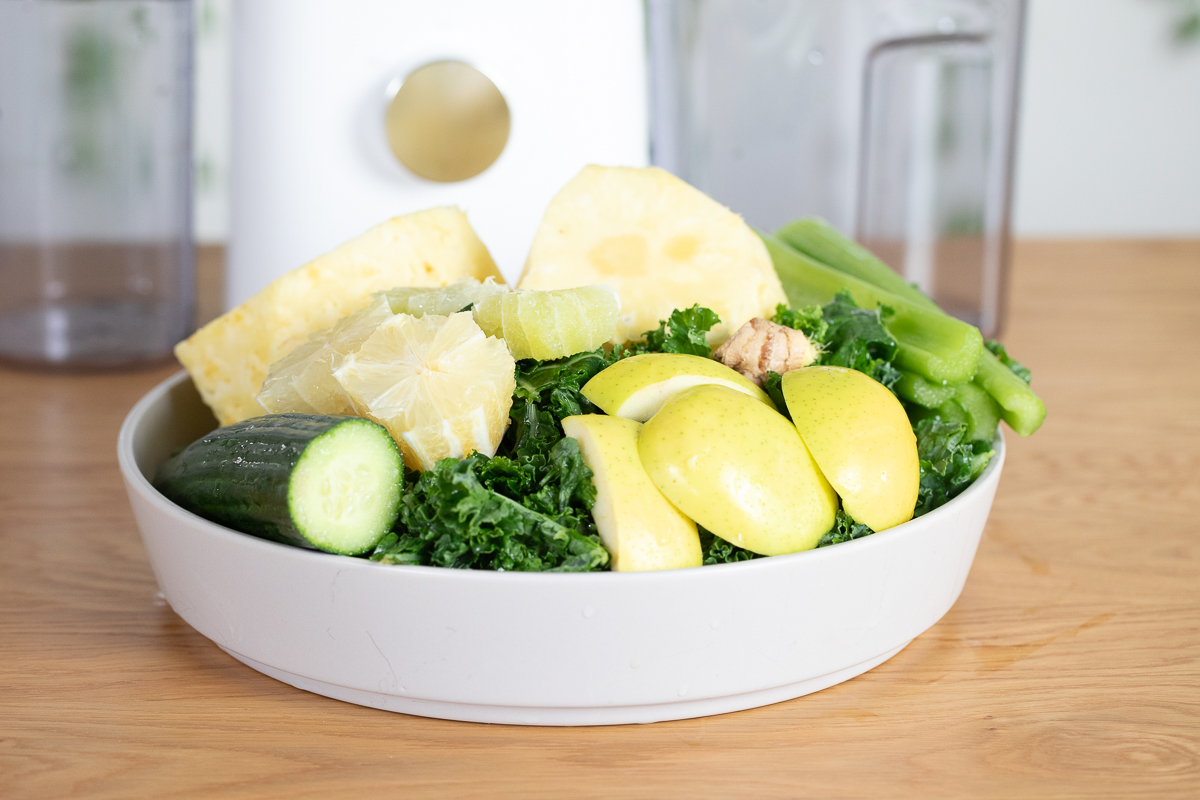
<point x="344" y="493"/>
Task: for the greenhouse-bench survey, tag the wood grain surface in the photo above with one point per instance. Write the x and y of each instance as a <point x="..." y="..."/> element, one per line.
<point x="1070" y="666"/>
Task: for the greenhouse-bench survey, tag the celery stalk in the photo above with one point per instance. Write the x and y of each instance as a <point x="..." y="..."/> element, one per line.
<point x="1019" y="406"/>
<point x="915" y="389"/>
<point x="939" y="348"/>
<point x="817" y="239"/>
<point x="1023" y="410"/>
<point x="983" y="413"/>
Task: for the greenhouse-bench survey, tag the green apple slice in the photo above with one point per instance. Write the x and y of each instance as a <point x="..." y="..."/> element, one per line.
<point x="739" y="469"/>
<point x="862" y="440"/>
<point x="640" y="527"/>
<point x="636" y="388"/>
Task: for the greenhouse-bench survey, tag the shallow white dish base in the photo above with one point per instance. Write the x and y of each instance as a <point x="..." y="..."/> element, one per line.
<point x="536" y="648"/>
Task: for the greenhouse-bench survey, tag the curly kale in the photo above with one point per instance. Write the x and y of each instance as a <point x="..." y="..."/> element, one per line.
<point x="1018" y="369"/>
<point x="844" y="529"/>
<point x="524" y="514"/>
<point x="949" y="461"/>
<point x="685" y="331"/>
<point x="716" y="550"/>
<point x="848" y="336"/>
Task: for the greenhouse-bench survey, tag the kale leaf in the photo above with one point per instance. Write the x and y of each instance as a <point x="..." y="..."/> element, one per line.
<point x="1019" y="369"/>
<point x="528" y="508"/>
<point x="547" y="391"/>
<point x="857" y="339"/>
<point x="684" y="332"/>
<point x="844" y="529"/>
<point x="949" y="461"/>
<point x="716" y="550"/>
<point x="848" y="336"/>
<point x="809" y="320"/>
<point x="773" y="386"/>
<point x="500" y="514"/>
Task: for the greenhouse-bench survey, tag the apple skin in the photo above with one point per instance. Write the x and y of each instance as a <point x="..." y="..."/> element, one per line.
<point x="637" y="387"/>
<point x="739" y="469"/>
<point x="640" y="527"/>
<point x="861" y="439"/>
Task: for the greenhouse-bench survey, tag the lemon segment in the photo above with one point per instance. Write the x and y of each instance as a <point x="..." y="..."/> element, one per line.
<point x="439" y="385"/>
<point x="421" y="300"/>
<point x="302" y="382"/>
<point x="551" y="324"/>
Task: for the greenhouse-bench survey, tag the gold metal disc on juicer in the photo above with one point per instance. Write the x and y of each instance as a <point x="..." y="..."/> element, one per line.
<point x="448" y="121"/>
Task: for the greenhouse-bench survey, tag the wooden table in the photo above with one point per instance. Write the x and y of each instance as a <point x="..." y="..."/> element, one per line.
<point x="1069" y="667"/>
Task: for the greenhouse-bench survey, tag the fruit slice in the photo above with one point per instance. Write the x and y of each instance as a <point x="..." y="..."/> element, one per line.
<point x="552" y="324"/>
<point x="421" y="300"/>
<point x="438" y="384"/>
<point x="861" y="439"/>
<point x="640" y="527"/>
<point x="660" y="243"/>
<point x="228" y="358"/>
<point x="739" y="469"/>
<point x="302" y="382"/>
<point x="637" y="387"/>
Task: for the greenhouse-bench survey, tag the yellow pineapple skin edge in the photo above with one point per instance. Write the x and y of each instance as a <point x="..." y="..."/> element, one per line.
<point x="228" y="358"/>
<point x="660" y="243"/>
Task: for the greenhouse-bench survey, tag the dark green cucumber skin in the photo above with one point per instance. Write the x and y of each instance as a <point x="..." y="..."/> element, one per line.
<point x="238" y="476"/>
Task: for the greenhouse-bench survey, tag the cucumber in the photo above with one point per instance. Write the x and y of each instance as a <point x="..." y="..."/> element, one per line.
<point x="330" y="483"/>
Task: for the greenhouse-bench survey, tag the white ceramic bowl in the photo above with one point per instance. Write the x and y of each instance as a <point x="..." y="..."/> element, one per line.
<point x="544" y="649"/>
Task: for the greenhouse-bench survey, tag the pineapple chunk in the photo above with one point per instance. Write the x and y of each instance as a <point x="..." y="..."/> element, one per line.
<point x="660" y="243"/>
<point x="228" y="358"/>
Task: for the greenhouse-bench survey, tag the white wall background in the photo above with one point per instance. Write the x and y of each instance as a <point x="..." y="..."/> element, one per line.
<point x="1109" y="142"/>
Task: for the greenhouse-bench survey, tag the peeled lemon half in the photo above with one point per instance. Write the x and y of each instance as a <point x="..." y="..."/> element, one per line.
<point x="439" y="384"/>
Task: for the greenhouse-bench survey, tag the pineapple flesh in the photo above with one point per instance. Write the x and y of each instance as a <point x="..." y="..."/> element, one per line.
<point x="228" y="358"/>
<point x="660" y="243"/>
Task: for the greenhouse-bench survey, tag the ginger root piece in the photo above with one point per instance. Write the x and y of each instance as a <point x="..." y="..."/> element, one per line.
<point x="761" y="346"/>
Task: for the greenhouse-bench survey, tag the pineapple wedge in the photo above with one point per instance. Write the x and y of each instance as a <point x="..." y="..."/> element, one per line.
<point x="660" y="243"/>
<point x="228" y="358"/>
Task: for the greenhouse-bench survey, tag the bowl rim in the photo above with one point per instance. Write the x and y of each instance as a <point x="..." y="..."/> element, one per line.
<point x="138" y="483"/>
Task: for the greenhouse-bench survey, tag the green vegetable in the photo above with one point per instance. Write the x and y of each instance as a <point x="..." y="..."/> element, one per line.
<point x="773" y="386"/>
<point x="844" y="529"/>
<point x="939" y="348"/>
<point x="981" y="411"/>
<point x="817" y="239"/>
<point x="915" y="389"/>
<point x="949" y="461"/>
<point x="716" y="550"/>
<point x="969" y="405"/>
<point x="547" y="391"/>
<point x="809" y="320"/>
<point x="1023" y="410"/>
<point x="846" y="335"/>
<point x="497" y="513"/>
<point x="685" y="332"/>
<point x="326" y="482"/>
<point x="1018" y="369"/>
